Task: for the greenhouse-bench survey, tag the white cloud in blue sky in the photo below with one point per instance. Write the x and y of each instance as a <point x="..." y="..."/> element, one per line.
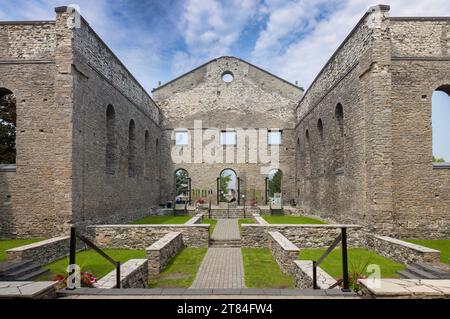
<point x="159" y="40"/>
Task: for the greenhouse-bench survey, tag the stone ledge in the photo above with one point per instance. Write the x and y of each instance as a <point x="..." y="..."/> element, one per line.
<point x="303" y="274"/>
<point x="28" y="290"/>
<point x="327" y="226"/>
<point x="405" y="288"/>
<point x="196" y="220"/>
<point x="260" y="220"/>
<point x="150" y="226"/>
<point x="161" y="253"/>
<point x="165" y="241"/>
<point x="285" y="243"/>
<point x="133" y="274"/>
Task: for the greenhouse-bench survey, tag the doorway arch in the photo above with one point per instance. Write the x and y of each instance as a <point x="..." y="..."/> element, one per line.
<point x="228" y="183"/>
<point x="182" y="185"/>
<point x="274" y="184"/>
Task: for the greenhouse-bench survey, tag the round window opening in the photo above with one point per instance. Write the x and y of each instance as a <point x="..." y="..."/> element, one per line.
<point x="228" y="77"/>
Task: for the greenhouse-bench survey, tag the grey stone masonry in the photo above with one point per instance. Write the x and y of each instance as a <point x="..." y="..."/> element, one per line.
<point x="142" y="236"/>
<point x="222" y="268"/>
<point x="197" y="219"/>
<point x="303" y="276"/>
<point x="43" y="252"/>
<point x="260" y="220"/>
<point x="402" y="251"/>
<point x="160" y="253"/>
<point x="133" y="274"/>
<point x="284" y="252"/>
<point x="303" y="236"/>
<point x="405" y="289"/>
<point x="28" y="290"/>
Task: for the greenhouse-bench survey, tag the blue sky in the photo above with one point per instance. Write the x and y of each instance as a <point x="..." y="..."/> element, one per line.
<point x="159" y="40"/>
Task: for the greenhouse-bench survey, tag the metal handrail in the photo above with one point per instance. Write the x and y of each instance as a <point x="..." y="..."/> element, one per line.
<point x="209" y="209"/>
<point x="341" y="238"/>
<point x="74" y="234"/>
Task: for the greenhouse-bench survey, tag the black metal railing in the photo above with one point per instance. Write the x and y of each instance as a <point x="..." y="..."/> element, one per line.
<point x="342" y="238"/>
<point x="74" y="234"/>
<point x="209" y="209"/>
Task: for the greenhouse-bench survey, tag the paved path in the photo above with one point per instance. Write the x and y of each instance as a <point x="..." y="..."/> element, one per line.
<point x="222" y="268"/>
<point x="226" y="229"/>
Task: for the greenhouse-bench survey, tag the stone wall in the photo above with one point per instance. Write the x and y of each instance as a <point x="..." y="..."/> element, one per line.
<point x="401" y="251"/>
<point x="284" y="252"/>
<point x="161" y="253"/>
<point x="254" y="99"/>
<point x="303" y="276"/>
<point x="405" y="289"/>
<point x="303" y="236"/>
<point x="143" y="236"/>
<point x="133" y="274"/>
<point x="43" y="252"/>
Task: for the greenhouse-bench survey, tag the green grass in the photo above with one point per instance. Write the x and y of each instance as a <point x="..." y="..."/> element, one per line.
<point x="181" y="271"/>
<point x="92" y="262"/>
<point x="262" y="271"/>
<point x="359" y="259"/>
<point x="443" y="245"/>
<point x="162" y="220"/>
<point x="14" y="243"/>
<point x="246" y="221"/>
<point x="295" y="220"/>
<point x="212" y="222"/>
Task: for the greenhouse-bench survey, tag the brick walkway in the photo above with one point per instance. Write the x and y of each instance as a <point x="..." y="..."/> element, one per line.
<point x="222" y="268"/>
<point x="226" y="229"/>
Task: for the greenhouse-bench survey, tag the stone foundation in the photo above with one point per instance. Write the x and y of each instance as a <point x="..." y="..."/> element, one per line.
<point x="284" y="252"/>
<point x="402" y="251"/>
<point x="133" y="274"/>
<point x="160" y="253"/>
<point x="143" y="236"/>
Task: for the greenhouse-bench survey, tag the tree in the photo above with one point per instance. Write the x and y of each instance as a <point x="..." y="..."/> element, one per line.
<point x="275" y="183"/>
<point x="224" y="182"/>
<point x="181" y="182"/>
<point x="438" y="160"/>
<point x="8" y="119"/>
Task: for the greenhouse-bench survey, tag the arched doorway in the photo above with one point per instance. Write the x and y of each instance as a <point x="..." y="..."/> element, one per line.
<point x="440" y="131"/>
<point x="228" y="185"/>
<point x="182" y="187"/>
<point x="274" y="185"/>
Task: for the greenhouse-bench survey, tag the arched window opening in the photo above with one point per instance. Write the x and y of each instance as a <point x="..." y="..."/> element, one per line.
<point x="182" y="186"/>
<point x="132" y="149"/>
<point x="320" y="129"/>
<point x="8" y="121"/>
<point x="340" y="139"/>
<point x="440" y="127"/>
<point x="228" y="185"/>
<point x="146" y="154"/>
<point x="275" y="184"/>
<point x="111" y="142"/>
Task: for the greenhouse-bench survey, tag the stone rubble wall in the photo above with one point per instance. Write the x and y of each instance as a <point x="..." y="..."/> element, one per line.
<point x="133" y="274"/>
<point x="284" y="252"/>
<point x="303" y="276"/>
<point x="143" y="236"/>
<point x="303" y="236"/>
<point x="161" y="253"/>
<point x="43" y="252"/>
<point x="401" y="251"/>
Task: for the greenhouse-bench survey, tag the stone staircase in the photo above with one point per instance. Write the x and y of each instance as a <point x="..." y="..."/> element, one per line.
<point x="21" y="271"/>
<point x="225" y="243"/>
<point x="425" y="271"/>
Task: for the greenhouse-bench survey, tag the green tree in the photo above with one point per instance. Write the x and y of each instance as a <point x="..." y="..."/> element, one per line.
<point x="224" y="182"/>
<point x="275" y="183"/>
<point x="8" y="119"/>
<point x="181" y="182"/>
<point x="438" y="160"/>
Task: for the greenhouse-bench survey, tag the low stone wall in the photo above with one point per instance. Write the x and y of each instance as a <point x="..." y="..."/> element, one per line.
<point x="160" y="253"/>
<point x="303" y="276"/>
<point x="284" y="252"/>
<point x="405" y="289"/>
<point x="402" y="251"/>
<point x="143" y="236"/>
<point x="43" y="252"/>
<point x="260" y="220"/>
<point x="234" y="213"/>
<point x="303" y="236"/>
<point x="197" y="219"/>
<point x="133" y="274"/>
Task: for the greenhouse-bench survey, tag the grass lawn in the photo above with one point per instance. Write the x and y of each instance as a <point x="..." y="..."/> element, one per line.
<point x="212" y="222"/>
<point x="162" y="220"/>
<point x="181" y="271"/>
<point x="359" y="259"/>
<point x="92" y="262"/>
<point x="442" y="245"/>
<point x="246" y="221"/>
<point x="295" y="220"/>
<point x="14" y="243"/>
<point x="262" y="271"/>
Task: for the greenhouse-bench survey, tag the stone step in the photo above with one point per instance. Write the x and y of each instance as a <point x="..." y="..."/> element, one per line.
<point x="33" y="275"/>
<point x="412" y="272"/>
<point x="16" y="273"/>
<point x="441" y="272"/>
<point x="405" y="274"/>
<point x="7" y="267"/>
